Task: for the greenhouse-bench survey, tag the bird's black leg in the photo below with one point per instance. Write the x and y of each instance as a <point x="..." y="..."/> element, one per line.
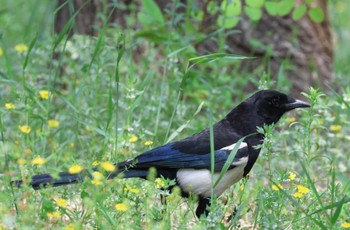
<point x="203" y="203"/>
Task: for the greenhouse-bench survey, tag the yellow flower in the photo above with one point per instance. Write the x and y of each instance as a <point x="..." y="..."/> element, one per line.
<point x="148" y="143"/>
<point x="121" y="207"/>
<point x="44" y="94"/>
<point x="335" y="128"/>
<point x="108" y="166"/>
<point x="277" y="187"/>
<point x="21" y="161"/>
<point x="61" y="203"/>
<point x="133" y="138"/>
<point x="55" y="214"/>
<point x="298" y="195"/>
<point x="53" y="123"/>
<point x="75" y="169"/>
<point x="38" y="161"/>
<point x="97" y="177"/>
<point x="1" y="51"/>
<point x="133" y="190"/>
<point x="159" y="183"/>
<point x="24" y="129"/>
<point x="96" y="182"/>
<point x="345" y="224"/>
<point x="127" y="189"/>
<point x="290" y="119"/>
<point x="303" y="190"/>
<point x="10" y="106"/>
<point x="21" y="48"/>
<point x="95" y="163"/>
<point x="69" y="227"/>
<point x="292" y="176"/>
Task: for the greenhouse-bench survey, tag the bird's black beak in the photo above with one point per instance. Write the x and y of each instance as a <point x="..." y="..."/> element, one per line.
<point x="295" y="103"/>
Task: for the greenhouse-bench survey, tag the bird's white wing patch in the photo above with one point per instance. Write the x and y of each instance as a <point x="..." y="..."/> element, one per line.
<point x="230" y="147"/>
<point x="198" y="181"/>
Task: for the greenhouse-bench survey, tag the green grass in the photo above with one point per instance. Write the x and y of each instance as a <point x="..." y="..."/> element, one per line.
<point x="103" y="98"/>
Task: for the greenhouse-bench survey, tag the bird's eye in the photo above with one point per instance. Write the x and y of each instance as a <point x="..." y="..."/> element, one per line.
<point x="274" y="101"/>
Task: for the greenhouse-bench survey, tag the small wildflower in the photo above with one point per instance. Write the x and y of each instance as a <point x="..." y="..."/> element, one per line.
<point x="133" y="138"/>
<point x="38" y="161"/>
<point x="44" y="94"/>
<point x="159" y="183"/>
<point x="53" y="123"/>
<point x="10" y="106"/>
<point x="298" y="195"/>
<point x="1" y="52"/>
<point x="302" y="189"/>
<point x="277" y="187"/>
<point x="132" y="190"/>
<point x="345" y="224"/>
<point x="127" y="189"/>
<point x="290" y="119"/>
<point x="61" y="203"/>
<point x="54" y="215"/>
<point x="95" y="163"/>
<point x="292" y="176"/>
<point x="241" y="187"/>
<point x="108" y="166"/>
<point x="71" y="145"/>
<point x="121" y="207"/>
<point x="24" y="129"/>
<point x="69" y="227"/>
<point x="335" y="128"/>
<point x="21" y="48"/>
<point x="75" y="169"/>
<point x="96" y="182"/>
<point x="148" y="143"/>
<point x="97" y="177"/>
<point x="21" y="161"/>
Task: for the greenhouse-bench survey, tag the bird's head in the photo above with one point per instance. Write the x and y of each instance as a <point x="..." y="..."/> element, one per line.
<point x="271" y="104"/>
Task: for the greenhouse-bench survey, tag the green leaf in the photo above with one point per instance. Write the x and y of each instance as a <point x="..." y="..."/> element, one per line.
<point x="299" y="12"/>
<point x="231" y="9"/>
<point x="144" y="19"/>
<point x="226" y="22"/>
<point x="285" y="7"/>
<point x="255" y="3"/>
<point x="159" y="35"/>
<point x="271" y="8"/>
<point x="152" y="10"/>
<point x="253" y="13"/>
<point x="316" y="14"/>
<point x="212" y="7"/>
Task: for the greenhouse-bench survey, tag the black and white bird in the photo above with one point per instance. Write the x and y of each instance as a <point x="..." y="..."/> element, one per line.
<point x="188" y="161"/>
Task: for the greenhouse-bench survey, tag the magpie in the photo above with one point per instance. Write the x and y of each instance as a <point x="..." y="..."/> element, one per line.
<point x="188" y="161"/>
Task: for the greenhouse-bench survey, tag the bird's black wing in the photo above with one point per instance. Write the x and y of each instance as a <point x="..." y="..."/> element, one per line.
<point x="168" y="157"/>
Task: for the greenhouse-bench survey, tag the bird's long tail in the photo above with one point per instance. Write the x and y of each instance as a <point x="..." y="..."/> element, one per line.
<point x="64" y="178"/>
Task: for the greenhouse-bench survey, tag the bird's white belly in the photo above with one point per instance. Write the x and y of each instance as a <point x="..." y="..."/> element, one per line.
<point x="198" y="181"/>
